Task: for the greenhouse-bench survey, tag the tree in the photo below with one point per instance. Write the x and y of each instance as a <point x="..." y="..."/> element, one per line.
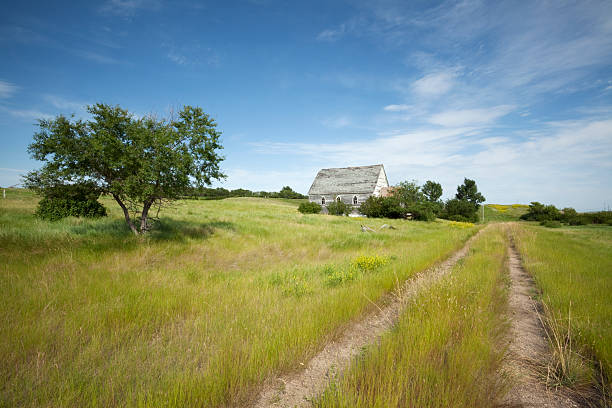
<point x="409" y="192"/>
<point x="432" y="191"/>
<point x="140" y="162"/>
<point x="469" y="192"/>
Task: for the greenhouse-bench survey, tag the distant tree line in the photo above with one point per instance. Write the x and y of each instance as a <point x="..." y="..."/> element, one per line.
<point x="423" y="203"/>
<point x="549" y="215"/>
<point x="220" y="193"/>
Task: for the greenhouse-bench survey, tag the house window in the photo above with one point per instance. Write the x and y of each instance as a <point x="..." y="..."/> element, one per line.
<point x="322" y="200"/>
<point x="354" y="200"/>
<point x="338" y="199"/>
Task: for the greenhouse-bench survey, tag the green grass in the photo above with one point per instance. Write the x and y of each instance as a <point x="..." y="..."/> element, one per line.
<point x="503" y="212"/>
<point x="220" y="296"/>
<point x="447" y="346"/>
<point x="572" y="267"/>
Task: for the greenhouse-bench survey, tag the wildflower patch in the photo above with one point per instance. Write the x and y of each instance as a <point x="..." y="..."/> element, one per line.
<point x="369" y="263"/>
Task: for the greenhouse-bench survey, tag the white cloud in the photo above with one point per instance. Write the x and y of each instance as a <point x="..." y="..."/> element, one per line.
<point x="435" y="84"/>
<point x="397" y="108"/>
<point x="26" y="113"/>
<point x="469" y="117"/>
<point x="7" y="89"/>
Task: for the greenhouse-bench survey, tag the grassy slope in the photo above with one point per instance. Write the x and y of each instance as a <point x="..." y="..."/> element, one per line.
<point x="445" y="350"/>
<point x="220" y="296"/>
<point x="573" y="268"/>
<point x="501" y="212"/>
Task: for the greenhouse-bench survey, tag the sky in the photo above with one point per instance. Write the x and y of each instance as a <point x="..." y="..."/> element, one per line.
<point x="516" y="95"/>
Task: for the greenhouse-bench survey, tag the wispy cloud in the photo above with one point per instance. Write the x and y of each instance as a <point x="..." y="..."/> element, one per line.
<point x="397" y="108"/>
<point x="128" y="8"/>
<point x="434" y="84"/>
<point x="191" y="54"/>
<point x="470" y="117"/>
<point x="332" y="34"/>
<point x="64" y="104"/>
<point x="338" y="122"/>
<point x="7" y="89"/>
<point x="94" y="56"/>
<point x="29" y="114"/>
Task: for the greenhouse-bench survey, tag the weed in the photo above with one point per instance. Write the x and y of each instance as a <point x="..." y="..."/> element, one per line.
<point x="335" y="276"/>
<point x="370" y="263"/>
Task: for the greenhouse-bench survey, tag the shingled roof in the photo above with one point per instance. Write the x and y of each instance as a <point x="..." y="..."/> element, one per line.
<point x="346" y="180"/>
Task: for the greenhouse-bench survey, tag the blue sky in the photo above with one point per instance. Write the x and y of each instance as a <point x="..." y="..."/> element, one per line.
<point x="516" y="95"/>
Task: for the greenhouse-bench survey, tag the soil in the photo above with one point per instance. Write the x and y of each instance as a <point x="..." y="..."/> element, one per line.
<point x="310" y="379"/>
<point x="528" y="350"/>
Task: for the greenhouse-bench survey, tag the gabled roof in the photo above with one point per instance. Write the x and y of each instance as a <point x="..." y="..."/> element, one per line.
<point x="346" y="180"/>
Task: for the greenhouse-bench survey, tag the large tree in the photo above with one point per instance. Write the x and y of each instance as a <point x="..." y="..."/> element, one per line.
<point x="141" y="162"/>
<point x="468" y="191"/>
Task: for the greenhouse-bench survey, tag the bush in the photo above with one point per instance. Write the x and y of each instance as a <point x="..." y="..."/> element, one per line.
<point x="551" y="224"/>
<point x="338" y="208"/>
<point x="379" y="207"/>
<point x="309" y="208"/>
<point x="459" y="210"/>
<point x="70" y="200"/>
<point x="541" y="212"/>
<point x="423" y="211"/>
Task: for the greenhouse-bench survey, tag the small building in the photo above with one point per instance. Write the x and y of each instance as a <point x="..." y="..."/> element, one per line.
<point x="351" y="185"/>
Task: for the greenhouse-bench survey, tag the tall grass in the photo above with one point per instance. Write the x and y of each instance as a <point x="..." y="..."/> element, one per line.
<point x="572" y="267"/>
<point x="445" y="350"/>
<point x="222" y="295"/>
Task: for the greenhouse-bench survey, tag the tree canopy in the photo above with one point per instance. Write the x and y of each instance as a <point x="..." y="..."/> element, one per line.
<point x="469" y="192"/>
<point x="140" y="162"/>
<point x="432" y="191"/>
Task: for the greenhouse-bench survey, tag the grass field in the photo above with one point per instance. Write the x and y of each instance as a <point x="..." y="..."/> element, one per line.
<point x="447" y="346"/>
<point x="572" y="267"/>
<point x="220" y="296"/>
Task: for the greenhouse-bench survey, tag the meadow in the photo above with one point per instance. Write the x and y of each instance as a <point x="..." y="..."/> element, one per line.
<point x="572" y="267"/>
<point x="219" y="297"/>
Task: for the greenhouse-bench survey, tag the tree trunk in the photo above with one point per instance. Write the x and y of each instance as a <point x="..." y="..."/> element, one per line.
<point x="144" y="216"/>
<point x="126" y="213"/>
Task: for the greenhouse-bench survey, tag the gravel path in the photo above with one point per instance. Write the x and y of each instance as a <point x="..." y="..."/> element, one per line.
<point x="528" y="349"/>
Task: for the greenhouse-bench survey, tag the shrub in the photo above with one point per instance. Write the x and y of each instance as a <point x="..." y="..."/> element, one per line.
<point x="379" y="207"/>
<point x="551" y="224"/>
<point x="423" y="211"/>
<point x="459" y="210"/>
<point x="70" y="200"/>
<point x="541" y="212"/>
<point x="338" y="208"/>
<point x="309" y="208"/>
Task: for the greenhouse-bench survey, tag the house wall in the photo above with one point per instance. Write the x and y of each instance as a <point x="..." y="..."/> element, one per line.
<point x="381" y="182"/>
<point x="345" y="198"/>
